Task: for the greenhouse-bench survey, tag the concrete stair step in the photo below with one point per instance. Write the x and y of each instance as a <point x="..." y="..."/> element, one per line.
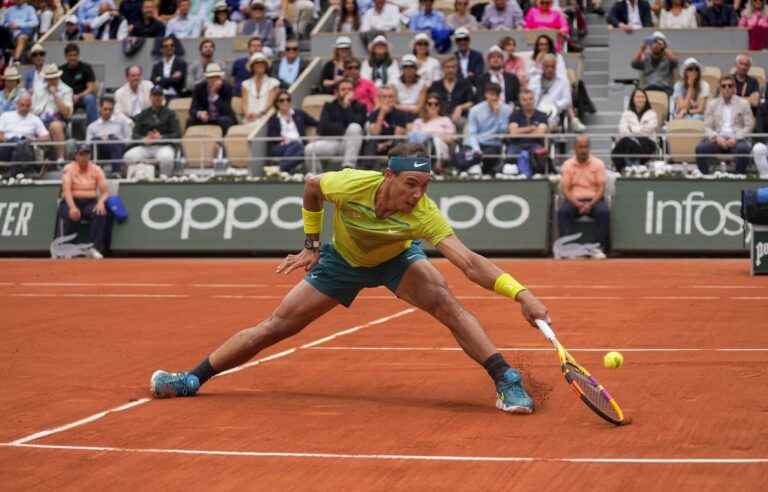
<point x="602" y="129"/>
<point x="599" y="77"/>
<point x="596" y="40"/>
<point x="593" y="64"/>
<point x="604" y="118"/>
<point x="598" y="90"/>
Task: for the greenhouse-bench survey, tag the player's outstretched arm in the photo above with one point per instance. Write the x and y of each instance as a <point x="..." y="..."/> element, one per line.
<point x="486" y="274"/>
<point x="312" y="213"/>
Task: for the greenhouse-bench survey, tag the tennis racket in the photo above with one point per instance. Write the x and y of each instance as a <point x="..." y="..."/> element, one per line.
<point x="592" y="393"/>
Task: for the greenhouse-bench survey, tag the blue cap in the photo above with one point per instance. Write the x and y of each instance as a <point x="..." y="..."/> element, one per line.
<point x="411" y="163"/>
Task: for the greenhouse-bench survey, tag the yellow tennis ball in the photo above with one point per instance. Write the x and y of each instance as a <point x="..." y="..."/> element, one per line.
<point x="613" y="360"/>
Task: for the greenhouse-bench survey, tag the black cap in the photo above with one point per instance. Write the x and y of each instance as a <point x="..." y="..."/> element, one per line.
<point x="156" y="90"/>
<point x="83" y="148"/>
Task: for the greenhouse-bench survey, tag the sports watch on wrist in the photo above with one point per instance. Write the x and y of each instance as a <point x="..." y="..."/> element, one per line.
<point x="311" y="244"/>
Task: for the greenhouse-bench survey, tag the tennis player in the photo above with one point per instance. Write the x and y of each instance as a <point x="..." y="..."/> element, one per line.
<point x="378" y="223"/>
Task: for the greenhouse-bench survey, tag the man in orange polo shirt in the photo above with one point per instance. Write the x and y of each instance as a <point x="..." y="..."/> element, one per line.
<point x="583" y="186"/>
<point x="84" y="192"/>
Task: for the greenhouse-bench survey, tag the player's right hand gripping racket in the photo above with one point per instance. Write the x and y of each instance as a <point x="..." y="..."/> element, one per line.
<point x="592" y="393"/>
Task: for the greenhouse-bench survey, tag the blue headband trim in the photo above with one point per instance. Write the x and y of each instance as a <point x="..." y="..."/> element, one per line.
<point x="399" y="163"/>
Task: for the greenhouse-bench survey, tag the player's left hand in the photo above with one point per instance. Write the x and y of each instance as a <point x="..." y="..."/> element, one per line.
<point x="533" y="308"/>
<point x="306" y="259"/>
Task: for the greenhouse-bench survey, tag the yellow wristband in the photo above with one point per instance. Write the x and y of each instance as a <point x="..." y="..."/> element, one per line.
<point x="313" y="221"/>
<point x="507" y="286"/>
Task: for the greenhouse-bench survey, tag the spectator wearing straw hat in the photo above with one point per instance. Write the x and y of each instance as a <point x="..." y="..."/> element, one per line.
<point x="380" y="68"/>
<point x="154" y="127"/>
<point x="72" y="31"/>
<point x="471" y="63"/>
<point x="33" y="79"/>
<point x="258" y="92"/>
<point x="54" y="105"/>
<point x="22" y="20"/>
<point x="110" y="132"/>
<point x="220" y="26"/>
<point x="509" y="83"/>
<point x="212" y="101"/>
<point x="290" y="66"/>
<point x="382" y="17"/>
<point x="170" y="72"/>
<point x="429" y="67"/>
<point x="20" y="125"/>
<point x="333" y="70"/>
<point x="84" y="191"/>
<point x="240" y="70"/>
<point x="12" y="89"/>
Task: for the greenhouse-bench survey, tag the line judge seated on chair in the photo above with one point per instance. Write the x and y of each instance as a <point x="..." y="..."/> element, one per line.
<point x="212" y="101"/>
<point x="154" y="126"/>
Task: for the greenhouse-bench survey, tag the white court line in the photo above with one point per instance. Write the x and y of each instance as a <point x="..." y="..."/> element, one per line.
<point x="544" y="349"/>
<point x="681" y="298"/>
<point x="115" y="296"/>
<point x="92" y="418"/>
<point x="225" y="286"/>
<point x="729" y="286"/>
<point x="87" y="284"/>
<point x="396" y="457"/>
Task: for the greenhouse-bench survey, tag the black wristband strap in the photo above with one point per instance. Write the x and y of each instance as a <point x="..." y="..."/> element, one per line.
<point x="311" y="244"/>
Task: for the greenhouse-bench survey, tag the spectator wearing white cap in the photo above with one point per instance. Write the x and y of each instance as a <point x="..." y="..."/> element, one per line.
<point x="656" y="64"/>
<point x="220" y="26"/>
<point x="12" y="89"/>
<point x="471" y="63"/>
<point x="689" y="97"/>
<point x="133" y="97"/>
<point x="333" y="70"/>
<point x="21" y="19"/>
<point x="429" y="67"/>
<point x="54" y="105"/>
<point x="503" y="14"/>
<point x="380" y="67"/>
<point x="288" y="68"/>
<point x="427" y="18"/>
<point x="382" y="17"/>
<point x="184" y="25"/>
<point x="17" y="126"/>
<point x="259" y="92"/>
<point x="411" y="88"/>
<point x="509" y="83"/>
<point x="72" y="31"/>
<point x="257" y="24"/>
<point x="461" y="17"/>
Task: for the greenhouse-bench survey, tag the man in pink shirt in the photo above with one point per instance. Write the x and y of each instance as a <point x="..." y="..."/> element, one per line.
<point x="583" y="186"/>
<point x="365" y="91"/>
<point x="543" y="16"/>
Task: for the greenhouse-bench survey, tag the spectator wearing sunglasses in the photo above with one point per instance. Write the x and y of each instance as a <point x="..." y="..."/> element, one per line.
<point x="289" y="125"/>
<point x="365" y="91"/>
<point x="33" y="79"/>
<point x="290" y="65"/>
<point x="435" y="127"/>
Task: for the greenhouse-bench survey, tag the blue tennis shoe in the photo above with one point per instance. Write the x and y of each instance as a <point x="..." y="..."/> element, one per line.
<point x="164" y="384"/>
<point x="510" y="394"/>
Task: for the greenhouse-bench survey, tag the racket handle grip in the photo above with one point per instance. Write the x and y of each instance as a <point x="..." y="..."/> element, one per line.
<point x="545" y="329"/>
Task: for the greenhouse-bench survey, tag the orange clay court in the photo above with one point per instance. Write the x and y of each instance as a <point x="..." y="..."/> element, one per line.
<point x="379" y="397"/>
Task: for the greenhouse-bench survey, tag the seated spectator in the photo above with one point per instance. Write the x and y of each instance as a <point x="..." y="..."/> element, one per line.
<point x="207" y="50"/>
<point x="131" y="11"/>
<point x="384" y="121"/>
<point x="72" y="31"/>
<point x="719" y="14"/>
<point x="341" y="123"/>
<point x="290" y="65"/>
<point x="365" y="91"/>
<point x="109" y="24"/>
<point x="110" y="132"/>
<point x="637" y="132"/>
<point x="349" y="19"/>
<point x="727" y="125"/>
<point x="381" y="17"/>
<point x="258" y="92"/>
<point x="755" y="18"/>
<point x="514" y="64"/>
<point x="84" y="191"/>
<point x="526" y="125"/>
<point x="545" y="17"/>
<point x="379" y="67"/>
<point x="212" y="101"/>
<point x="510" y="86"/>
<point x="12" y="89"/>
<point x="299" y="14"/>
<point x="19" y="126"/>
<point x="132" y="97"/>
<point x="184" y="25"/>
<point x="427" y="18"/>
<point x="258" y="25"/>
<point x="88" y="10"/>
<point x="656" y="64"/>
<point x="290" y="126"/>
<point x="221" y="26"/>
<point x="689" y="98"/>
<point x="457" y="94"/>
<point x="678" y="14"/>
<point x="49" y="12"/>
<point x="170" y="73"/>
<point x="22" y="21"/>
<point x="149" y="26"/>
<point x="33" y="79"/>
<point x="471" y="63"/>
<point x="54" y="106"/>
<point x="434" y="126"/>
<point x="746" y="86"/>
<point x="411" y="88"/>
<point x="203" y="9"/>
<point x="760" y="150"/>
<point x="487" y="121"/>
<point x="552" y="93"/>
<point x="462" y="17"/>
<point x="543" y="46"/>
<point x="583" y="187"/>
<point x="154" y="126"/>
<point x="240" y="70"/>
<point x="629" y="15"/>
<point x="429" y="67"/>
<point x="503" y="14"/>
<point x="333" y="70"/>
<point x="79" y="76"/>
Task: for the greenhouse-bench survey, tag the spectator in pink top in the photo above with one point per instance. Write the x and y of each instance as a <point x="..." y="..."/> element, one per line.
<point x="514" y="64"/>
<point x="544" y="17"/>
<point x="364" y="91"/>
<point x="433" y="125"/>
<point x="755" y="19"/>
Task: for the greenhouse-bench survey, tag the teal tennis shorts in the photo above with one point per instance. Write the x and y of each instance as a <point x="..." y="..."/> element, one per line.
<point x="336" y="278"/>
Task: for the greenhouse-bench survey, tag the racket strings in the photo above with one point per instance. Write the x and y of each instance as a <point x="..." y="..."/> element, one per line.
<point x="591" y="392"/>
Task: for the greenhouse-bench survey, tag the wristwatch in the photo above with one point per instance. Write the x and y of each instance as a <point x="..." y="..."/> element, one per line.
<point x="313" y="245"/>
